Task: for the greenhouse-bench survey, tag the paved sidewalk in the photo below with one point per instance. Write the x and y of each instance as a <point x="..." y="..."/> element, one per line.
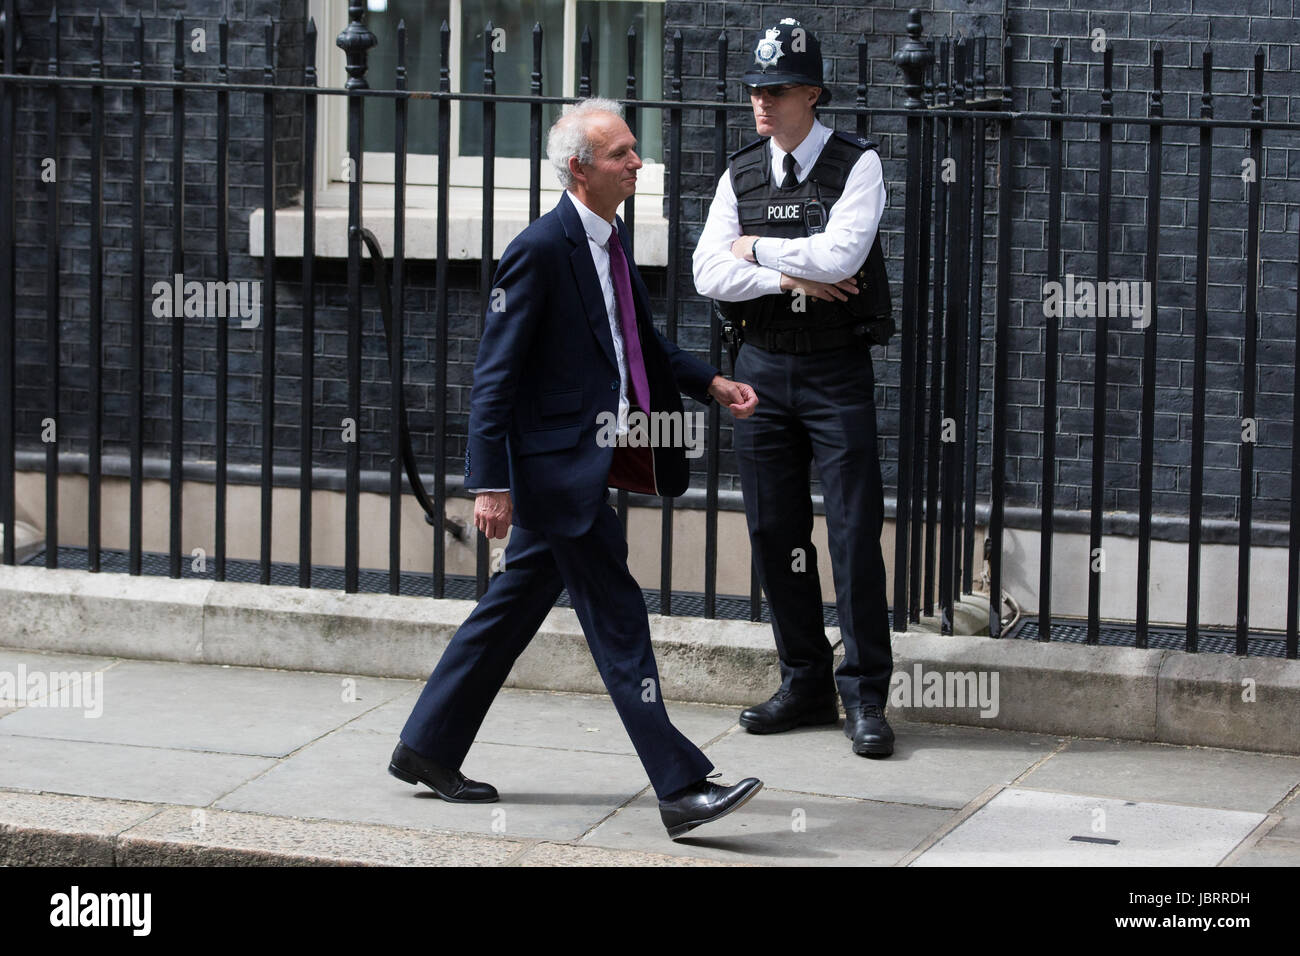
<point x="208" y="764"/>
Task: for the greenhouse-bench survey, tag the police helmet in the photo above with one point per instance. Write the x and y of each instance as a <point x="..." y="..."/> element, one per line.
<point x="787" y="53"/>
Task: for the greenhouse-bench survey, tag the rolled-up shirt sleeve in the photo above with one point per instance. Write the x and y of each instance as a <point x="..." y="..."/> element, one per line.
<point x="719" y="274"/>
<point x="840" y="250"/>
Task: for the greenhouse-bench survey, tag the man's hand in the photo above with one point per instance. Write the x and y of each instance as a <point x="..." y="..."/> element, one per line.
<point x="492" y="511"/>
<point x="743" y="248"/>
<point x="825" y="291"/>
<point x="737" y="396"/>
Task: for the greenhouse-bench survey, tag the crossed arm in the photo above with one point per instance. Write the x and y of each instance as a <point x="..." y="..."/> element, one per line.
<point x="726" y="268"/>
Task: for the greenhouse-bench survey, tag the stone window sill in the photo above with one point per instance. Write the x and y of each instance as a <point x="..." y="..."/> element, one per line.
<point x="464" y="230"/>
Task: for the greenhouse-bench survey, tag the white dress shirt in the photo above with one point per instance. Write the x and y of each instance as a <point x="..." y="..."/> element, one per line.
<point x="599" y="235"/>
<point x="829" y="256"/>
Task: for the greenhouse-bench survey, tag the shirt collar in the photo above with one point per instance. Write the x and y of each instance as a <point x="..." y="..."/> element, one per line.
<point x="598" y="229"/>
<point x="806" y="152"/>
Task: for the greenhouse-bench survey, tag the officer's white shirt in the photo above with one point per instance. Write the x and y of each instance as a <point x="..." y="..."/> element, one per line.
<point x="829" y="256"/>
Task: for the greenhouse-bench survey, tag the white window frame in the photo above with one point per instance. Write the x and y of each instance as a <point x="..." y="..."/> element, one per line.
<point x="421" y="168"/>
<point x="464" y="227"/>
<point x="466" y="171"/>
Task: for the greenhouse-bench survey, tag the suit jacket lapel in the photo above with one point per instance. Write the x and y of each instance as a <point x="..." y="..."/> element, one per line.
<point x="584" y="272"/>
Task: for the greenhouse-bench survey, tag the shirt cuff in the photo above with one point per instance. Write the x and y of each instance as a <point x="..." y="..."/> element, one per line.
<point x="480" y="491"/>
<point x="769" y="282"/>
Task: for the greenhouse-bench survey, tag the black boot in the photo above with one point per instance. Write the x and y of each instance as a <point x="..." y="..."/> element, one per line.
<point x="870" y="732"/>
<point x="785" y="711"/>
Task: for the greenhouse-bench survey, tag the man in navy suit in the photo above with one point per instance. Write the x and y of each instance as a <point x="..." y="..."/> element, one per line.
<point x="568" y="344"/>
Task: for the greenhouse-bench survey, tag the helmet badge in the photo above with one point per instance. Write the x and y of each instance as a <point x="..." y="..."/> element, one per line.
<point x="769" y="49"/>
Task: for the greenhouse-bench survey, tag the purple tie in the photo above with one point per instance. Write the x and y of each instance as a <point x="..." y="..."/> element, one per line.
<point x="627" y="321"/>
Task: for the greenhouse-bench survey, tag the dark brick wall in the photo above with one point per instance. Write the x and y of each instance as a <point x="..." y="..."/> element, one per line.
<point x="247" y="52"/>
<point x="1182" y="29"/>
<point x="1132" y="28"/>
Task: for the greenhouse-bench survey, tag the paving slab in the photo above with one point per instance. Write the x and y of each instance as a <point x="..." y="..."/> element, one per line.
<point x="545" y="794"/>
<point x="932" y="765"/>
<point x="1288" y="828"/>
<point x="122" y="772"/>
<point x="1290" y="808"/>
<point x="201" y="764"/>
<point x="783" y="828"/>
<point x="1268" y="852"/>
<point x="559" y="721"/>
<point x="1024" y="827"/>
<point x="46" y="829"/>
<point x="205" y="837"/>
<point x="390" y="716"/>
<point x="1166" y="773"/>
<point x="11" y="658"/>
<point x="55" y="677"/>
<point x="210" y="708"/>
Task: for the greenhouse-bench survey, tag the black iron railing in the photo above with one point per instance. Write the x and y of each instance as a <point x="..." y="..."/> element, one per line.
<point x="951" y="110"/>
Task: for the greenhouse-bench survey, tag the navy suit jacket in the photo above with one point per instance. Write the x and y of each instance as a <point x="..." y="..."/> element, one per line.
<point x="546" y="370"/>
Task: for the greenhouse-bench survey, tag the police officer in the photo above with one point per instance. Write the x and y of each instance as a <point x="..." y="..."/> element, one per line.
<point x="791" y="254"/>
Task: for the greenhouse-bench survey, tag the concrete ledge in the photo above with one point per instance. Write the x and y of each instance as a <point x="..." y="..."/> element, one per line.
<point x="1070" y="689"/>
<point x="69" y="611"/>
<point x="301" y="629"/>
<point x="1164" y="696"/>
<point x="1227" y="701"/>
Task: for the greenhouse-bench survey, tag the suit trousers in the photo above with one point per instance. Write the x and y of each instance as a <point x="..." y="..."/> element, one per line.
<point x="611" y="609"/>
<point x="818" y="407"/>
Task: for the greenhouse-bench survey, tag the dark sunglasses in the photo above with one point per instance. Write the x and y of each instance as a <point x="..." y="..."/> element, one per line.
<point x="781" y="90"/>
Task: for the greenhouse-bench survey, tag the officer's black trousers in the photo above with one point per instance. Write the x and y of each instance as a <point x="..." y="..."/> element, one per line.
<point x="818" y="407"/>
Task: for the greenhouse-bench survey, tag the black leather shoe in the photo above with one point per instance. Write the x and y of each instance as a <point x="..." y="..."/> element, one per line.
<point x="786" y="711"/>
<point x="451" y="785"/>
<point x="870" y="732"/>
<point x="704" y="802"/>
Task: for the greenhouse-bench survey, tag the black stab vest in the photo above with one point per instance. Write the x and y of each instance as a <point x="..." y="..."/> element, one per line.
<point x="768" y="210"/>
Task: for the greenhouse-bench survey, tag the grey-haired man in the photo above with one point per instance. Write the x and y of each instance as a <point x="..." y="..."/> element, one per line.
<point x="573" y="344"/>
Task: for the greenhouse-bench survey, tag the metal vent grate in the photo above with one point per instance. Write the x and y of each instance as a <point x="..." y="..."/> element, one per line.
<point x="1123" y="634"/>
